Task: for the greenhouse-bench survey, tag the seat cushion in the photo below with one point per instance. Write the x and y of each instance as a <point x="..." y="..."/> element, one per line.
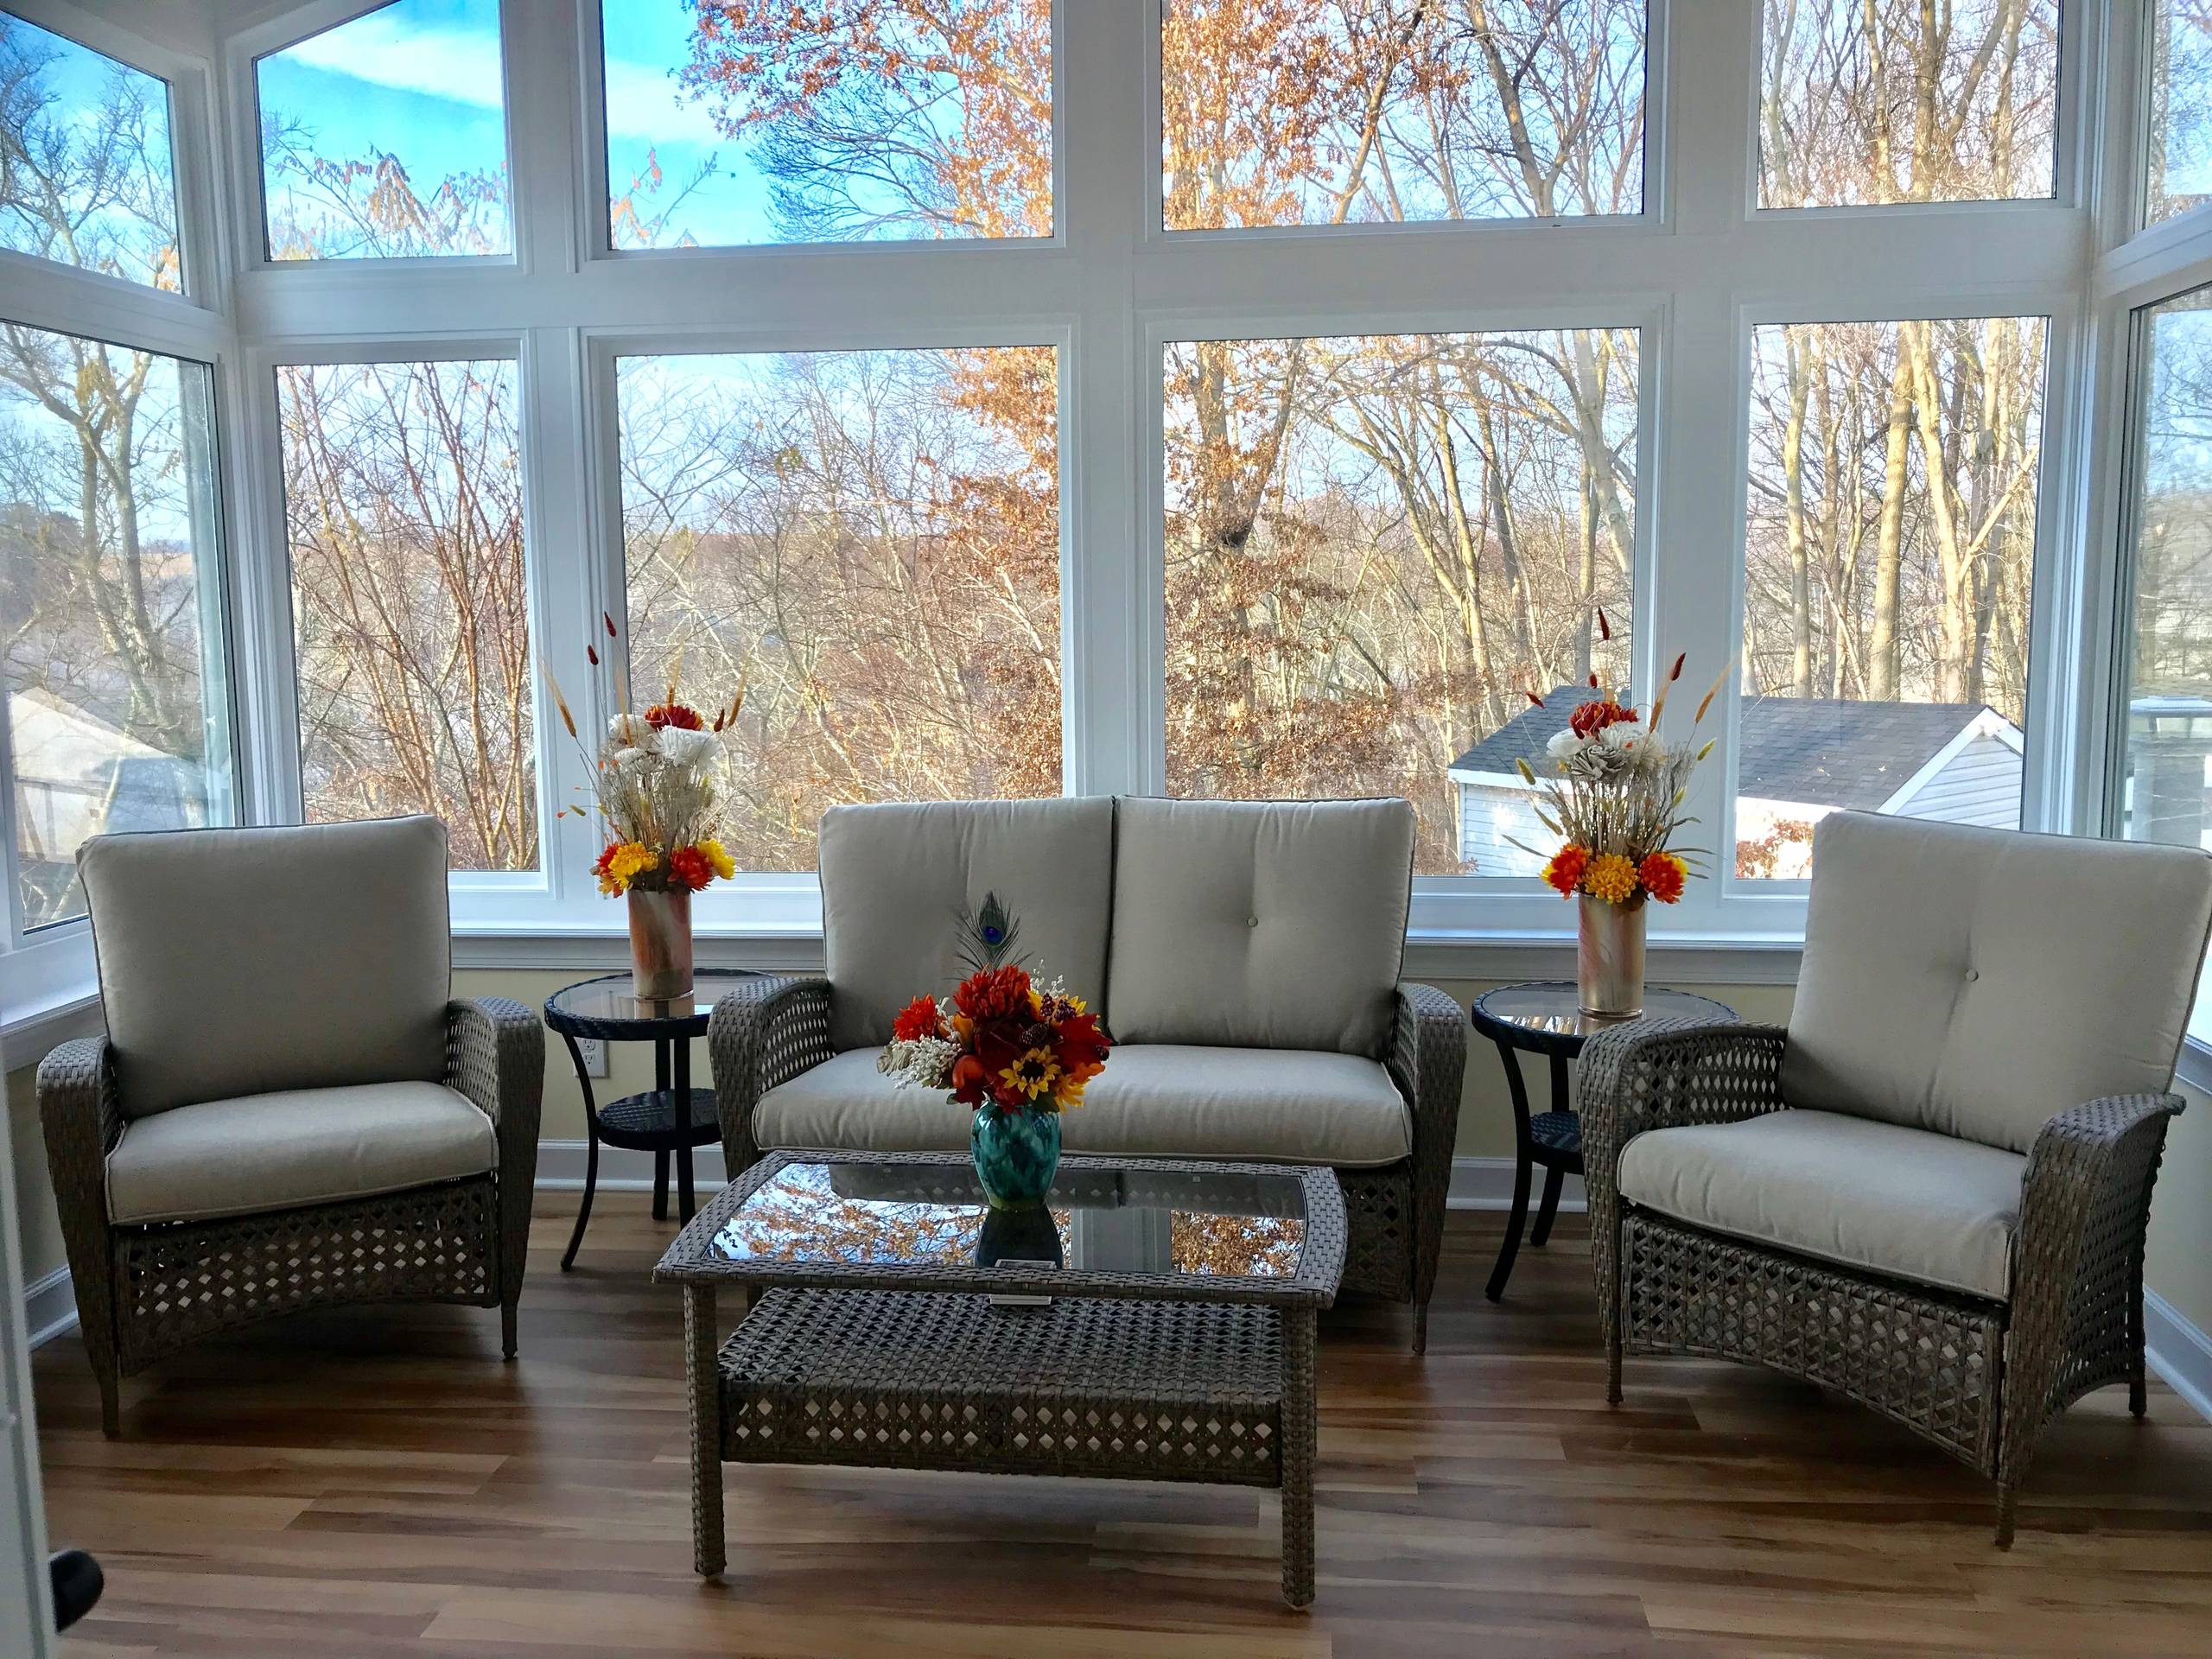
<point x="896" y="876"/>
<point x="1260" y="924"/>
<point x="1154" y="1101"/>
<point x="1898" y="1202"/>
<point x="1977" y="982"/>
<point x="301" y="1146"/>
<point x="241" y="962"/>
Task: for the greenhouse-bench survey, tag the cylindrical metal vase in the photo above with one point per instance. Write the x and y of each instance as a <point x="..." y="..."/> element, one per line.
<point x="1609" y="959"/>
<point x="660" y="944"/>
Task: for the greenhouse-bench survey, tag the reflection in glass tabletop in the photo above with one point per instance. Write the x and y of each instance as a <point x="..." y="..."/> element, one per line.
<point x="1548" y="1014"/>
<point x="1105" y="1220"/>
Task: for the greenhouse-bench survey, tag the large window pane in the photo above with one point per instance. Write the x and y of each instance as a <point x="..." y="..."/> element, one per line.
<point x="1877" y="101"/>
<point x="868" y="541"/>
<point x="1376" y="544"/>
<point x="385" y="138"/>
<point x="110" y="605"/>
<point x="1889" y="545"/>
<point x="86" y="173"/>
<point x="2181" y="109"/>
<point x="1362" y="111"/>
<point x="897" y="119"/>
<point x="402" y="508"/>
<point x="2169" y="713"/>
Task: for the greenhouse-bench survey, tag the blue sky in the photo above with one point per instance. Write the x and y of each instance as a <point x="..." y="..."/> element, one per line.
<point x="420" y="80"/>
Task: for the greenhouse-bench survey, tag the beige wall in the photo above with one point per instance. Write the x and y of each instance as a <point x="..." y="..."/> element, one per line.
<point x="2181" y="1223"/>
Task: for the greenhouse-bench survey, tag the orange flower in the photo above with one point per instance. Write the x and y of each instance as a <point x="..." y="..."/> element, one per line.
<point x="1593" y="717"/>
<point x="690" y="869"/>
<point x="675" y="714"/>
<point x="1565" y="871"/>
<point x="1664" y="876"/>
<point x="919" y="1018"/>
<point x="1611" y="877"/>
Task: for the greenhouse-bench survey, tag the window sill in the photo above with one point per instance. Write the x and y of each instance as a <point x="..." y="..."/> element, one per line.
<point x="1487" y="955"/>
<point x="27" y="1033"/>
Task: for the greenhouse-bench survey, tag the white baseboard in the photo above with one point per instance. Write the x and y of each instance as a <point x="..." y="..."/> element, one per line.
<point x="561" y="1168"/>
<point x="50" y="1308"/>
<point x="1487" y="1184"/>
<point x="2177" y="1352"/>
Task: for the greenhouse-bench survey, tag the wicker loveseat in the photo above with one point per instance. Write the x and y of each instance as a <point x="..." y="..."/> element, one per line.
<point x="1244" y="955"/>
<point x="1930" y="1191"/>
<point x="288" y="1111"/>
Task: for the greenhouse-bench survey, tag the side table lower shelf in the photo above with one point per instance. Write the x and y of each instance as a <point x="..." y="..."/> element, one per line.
<point x="1219" y="1393"/>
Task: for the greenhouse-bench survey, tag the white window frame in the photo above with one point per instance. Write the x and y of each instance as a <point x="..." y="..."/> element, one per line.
<point x="48" y="983"/>
<point x="1694" y="271"/>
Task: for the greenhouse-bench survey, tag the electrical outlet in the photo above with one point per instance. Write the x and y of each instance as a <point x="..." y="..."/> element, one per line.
<point x="594" y="1053"/>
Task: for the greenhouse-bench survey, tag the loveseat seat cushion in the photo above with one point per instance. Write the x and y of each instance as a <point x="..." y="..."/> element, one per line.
<point x="240" y="961"/>
<point x="1902" y="1202"/>
<point x="1153" y="1100"/>
<point x="1260" y="924"/>
<point x="288" y="1150"/>
<point x="1977" y="982"/>
<point x="896" y="877"/>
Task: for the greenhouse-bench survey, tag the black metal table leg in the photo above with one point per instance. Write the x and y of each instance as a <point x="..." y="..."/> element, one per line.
<point x="660" y="1156"/>
<point x="681" y="1102"/>
<point x="1523" y="1154"/>
<point x="1554" y="1171"/>
<point x="591" y="1153"/>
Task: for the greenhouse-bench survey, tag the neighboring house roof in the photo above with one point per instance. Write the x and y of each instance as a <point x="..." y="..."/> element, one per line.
<point x="1821" y="750"/>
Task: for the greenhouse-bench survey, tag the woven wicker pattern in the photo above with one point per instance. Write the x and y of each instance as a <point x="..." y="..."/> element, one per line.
<point x="1926" y="1361"/>
<point x="1980" y="1379"/>
<point x="769" y="1030"/>
<point x="145" y="1292"/>
<point x="1125" y="1375"/>
<point x="1156" y="1391"/>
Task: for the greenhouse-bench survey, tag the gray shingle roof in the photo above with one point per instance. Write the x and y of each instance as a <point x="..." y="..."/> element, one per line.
<point x="1818" y="750"/>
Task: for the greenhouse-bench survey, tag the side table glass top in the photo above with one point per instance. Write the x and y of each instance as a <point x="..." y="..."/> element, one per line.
<point x="923" y="1217"/>
<point x="1546" y="1014"/>
<point x="611" y="1001"/>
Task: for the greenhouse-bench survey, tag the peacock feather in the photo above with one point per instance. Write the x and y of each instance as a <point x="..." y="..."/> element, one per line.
<point x="988" y="935"/>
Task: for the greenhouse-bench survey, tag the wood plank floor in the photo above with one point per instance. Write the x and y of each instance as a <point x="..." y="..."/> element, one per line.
<point x="379" y="1483"/>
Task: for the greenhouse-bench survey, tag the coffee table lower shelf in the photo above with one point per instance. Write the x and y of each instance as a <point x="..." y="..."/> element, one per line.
<point x="1212" y="1392"/>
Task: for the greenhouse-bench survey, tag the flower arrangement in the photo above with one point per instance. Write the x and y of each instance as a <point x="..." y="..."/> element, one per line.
<point x="655" y="779"/>
<point x="1018" y="1052"/>
<point x="1615" y="801"/>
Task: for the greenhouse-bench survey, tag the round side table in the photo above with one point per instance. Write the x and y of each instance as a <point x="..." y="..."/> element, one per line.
<point x="1545" y="1017"/>
<point x="670" y="1118"/>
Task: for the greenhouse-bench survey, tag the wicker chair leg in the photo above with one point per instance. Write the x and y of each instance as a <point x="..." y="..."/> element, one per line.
<point x="704" y="1380"/>
<point x="2138" y="1400"/>
<point x="1420" y="1327"/>
<point x="507" y="1328"/>
<point x="1613" y="1396"/>
<point x="2008" y="1496"/>
<point x="111" y="1402"/>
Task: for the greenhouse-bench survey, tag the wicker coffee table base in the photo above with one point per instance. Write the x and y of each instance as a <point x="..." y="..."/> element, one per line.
<point x="1216" y="1393"/>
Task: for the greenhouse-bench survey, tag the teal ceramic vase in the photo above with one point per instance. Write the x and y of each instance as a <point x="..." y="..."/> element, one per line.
<point x="1017" y="1153"/>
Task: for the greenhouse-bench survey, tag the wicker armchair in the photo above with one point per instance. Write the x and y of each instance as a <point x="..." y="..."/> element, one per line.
<point x="1887" y="1197"/>
<point x="774" y="1032"/>
<point x="319" y="1124"/>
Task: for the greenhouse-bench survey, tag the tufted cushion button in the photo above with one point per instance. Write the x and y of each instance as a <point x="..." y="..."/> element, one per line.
<point x="1972" y="974"/>
<point x="1251" y="921"/>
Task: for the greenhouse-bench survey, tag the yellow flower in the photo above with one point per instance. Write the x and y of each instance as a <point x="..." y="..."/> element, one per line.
<point x="623" y="863"/>
<point x="718" y="855"/>
<point x="1034" y="1073"/>
<point x="1612" y="878"/>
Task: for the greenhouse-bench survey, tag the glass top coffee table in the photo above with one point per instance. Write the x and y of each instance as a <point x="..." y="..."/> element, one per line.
<point x="1153" y="1322"/>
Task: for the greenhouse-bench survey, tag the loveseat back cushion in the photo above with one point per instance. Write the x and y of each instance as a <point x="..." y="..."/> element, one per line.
<point x="1260" y="924"/>
<point x="243" y="962"/>
<point x="1977" y="982"/>
<point x="896" y="876"/>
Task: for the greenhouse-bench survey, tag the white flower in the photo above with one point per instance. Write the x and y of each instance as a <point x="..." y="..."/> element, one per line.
<point x="631" y="760"/>
<point x="626" y="731"/>
<point x="1620" y="734"/>
<point x="685" y="747"/>
<point x="1562" y="746"/>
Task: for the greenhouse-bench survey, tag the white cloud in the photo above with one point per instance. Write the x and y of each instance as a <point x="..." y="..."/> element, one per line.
<point x="643" y="102"/>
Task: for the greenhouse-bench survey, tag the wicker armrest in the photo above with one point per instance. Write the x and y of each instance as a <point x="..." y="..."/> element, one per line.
<point x="1428" y="1057"/>
<point x="2085" y="1204"/>
<point x="765" y="1032"/>
<point x="1657" y="1074"/>
<point x="495" y="1054"/>
<point x="81" y="1119"/>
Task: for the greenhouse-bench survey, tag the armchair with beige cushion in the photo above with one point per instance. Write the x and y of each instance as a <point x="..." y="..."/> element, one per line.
<point x="1244" y="955"/>
<point x="1929" y="1192"/>
<point x="288" y="1110"/>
